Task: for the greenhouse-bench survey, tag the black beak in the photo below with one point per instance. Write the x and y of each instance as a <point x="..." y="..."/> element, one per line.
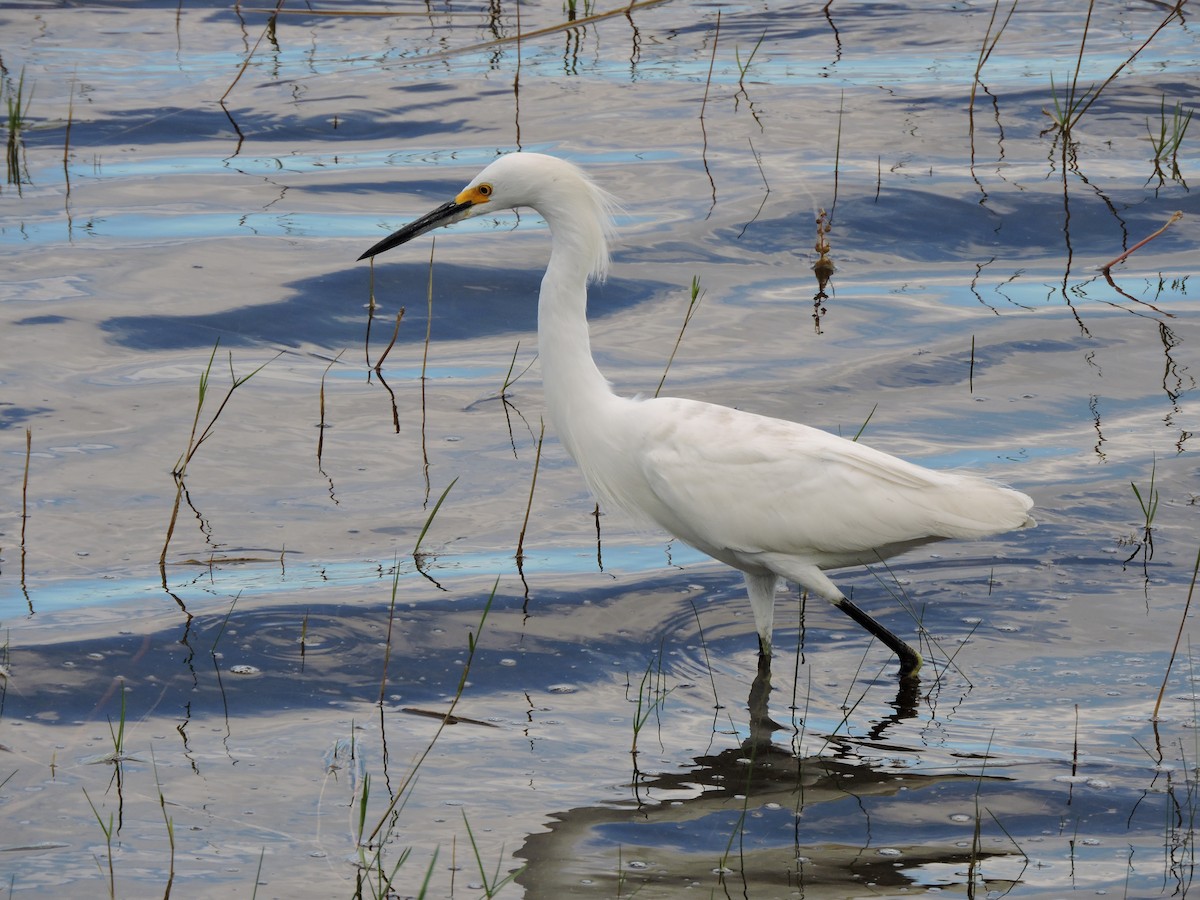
<point x="446" y="214"/>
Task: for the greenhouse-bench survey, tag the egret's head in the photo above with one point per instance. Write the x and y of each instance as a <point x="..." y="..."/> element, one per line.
<point x="559" y="191"/>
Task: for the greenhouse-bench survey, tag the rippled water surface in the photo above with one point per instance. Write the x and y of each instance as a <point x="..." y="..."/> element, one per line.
<point x="193" y="183"/>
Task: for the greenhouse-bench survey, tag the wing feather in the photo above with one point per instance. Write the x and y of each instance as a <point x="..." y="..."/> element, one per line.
<point x="726" y="480"/>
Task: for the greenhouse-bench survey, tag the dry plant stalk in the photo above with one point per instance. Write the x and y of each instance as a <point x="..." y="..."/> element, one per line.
<point x="1142" y="243"/>
<point x="704" y="104"/>
<point x="25" y="511"/>
<point x="1187" y="606"/>
<point x="425" y="364"/>
<point x="370" y="310"/>
<point x="391" y="343"/>
<point x="321" y="425"/>
<point x="194" y="442"/>
<point x="537" y="460"/>
<point x="696" y="296"/>
<point x="25" y="484"/>
<point x="623" y="10"/>
<point x="267" y="29"/>
<point x="67" y="134"/>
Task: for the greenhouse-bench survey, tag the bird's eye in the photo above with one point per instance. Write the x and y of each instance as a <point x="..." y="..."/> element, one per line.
<point x="484" y="190"/>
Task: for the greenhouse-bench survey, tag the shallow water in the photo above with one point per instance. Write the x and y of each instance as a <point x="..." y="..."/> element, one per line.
<point x="285" y="661"/>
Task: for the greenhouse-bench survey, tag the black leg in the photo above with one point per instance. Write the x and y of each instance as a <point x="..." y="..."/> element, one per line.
<point x="910" y="659"/>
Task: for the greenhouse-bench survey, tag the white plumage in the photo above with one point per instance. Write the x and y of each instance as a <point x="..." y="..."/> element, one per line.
<point x="770" y="497"/>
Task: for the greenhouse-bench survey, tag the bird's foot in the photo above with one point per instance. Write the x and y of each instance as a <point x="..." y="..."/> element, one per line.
<point x="910" y="663"/>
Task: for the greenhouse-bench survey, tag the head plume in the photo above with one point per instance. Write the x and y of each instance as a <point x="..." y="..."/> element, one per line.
<point x="576" y="208"/>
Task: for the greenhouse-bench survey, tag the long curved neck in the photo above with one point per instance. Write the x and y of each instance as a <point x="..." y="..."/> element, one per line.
<point x="575" y="390"/>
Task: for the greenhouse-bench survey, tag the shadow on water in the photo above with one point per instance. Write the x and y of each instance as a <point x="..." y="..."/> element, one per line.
<point x="329" y="311"/>
<point x="166" y="126"/>
<point x="1030" y="233"/>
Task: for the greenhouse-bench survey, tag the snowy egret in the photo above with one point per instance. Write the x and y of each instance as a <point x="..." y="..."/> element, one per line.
<point x="772" y="498"/>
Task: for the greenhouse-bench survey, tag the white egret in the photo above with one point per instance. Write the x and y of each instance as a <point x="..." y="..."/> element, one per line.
<point x="772" y="498"/>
